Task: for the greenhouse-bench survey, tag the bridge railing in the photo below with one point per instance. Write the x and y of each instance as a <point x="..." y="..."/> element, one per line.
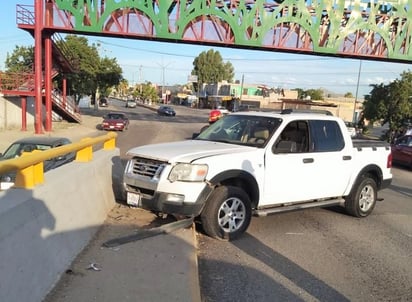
<point x="30" y="167"/>
<point x="16" y="81"/>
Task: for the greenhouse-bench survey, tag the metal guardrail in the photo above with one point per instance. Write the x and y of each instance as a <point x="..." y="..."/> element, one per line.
<point x="29" y="167"/>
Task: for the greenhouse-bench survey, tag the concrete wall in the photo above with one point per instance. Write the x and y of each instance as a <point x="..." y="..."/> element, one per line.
<point x="44" y="229"/>
<point x="10" y="112"/>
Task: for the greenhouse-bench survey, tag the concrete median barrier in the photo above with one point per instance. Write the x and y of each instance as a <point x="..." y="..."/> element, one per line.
<point x="44" y="229"/>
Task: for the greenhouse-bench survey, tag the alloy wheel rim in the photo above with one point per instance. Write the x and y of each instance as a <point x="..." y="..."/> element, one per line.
<point x="366" y="198"/>
<point x="231" y="215"/>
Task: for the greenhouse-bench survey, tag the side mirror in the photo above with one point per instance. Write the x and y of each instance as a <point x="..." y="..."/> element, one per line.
<point x="195" y="134"/>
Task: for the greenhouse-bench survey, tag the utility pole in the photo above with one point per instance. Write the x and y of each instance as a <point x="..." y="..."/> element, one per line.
<point x="140" y="79"/>
<point x="356" y="94"/>
<point x="163" y="66"/>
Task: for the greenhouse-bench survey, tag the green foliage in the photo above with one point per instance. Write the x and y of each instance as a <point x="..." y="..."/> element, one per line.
<point x="84" y="81"/>
<point x="315" y="94"/>
<point x="301" y="93"/>
<point x="390" y="103"/>
<point x="348" y="95"/>
<point x="108" y="75"/>
<point x="94" y="73"/>
<point x="20" y="60"/>
<point x="148" y="92"/>
<point x="210" y="68"/>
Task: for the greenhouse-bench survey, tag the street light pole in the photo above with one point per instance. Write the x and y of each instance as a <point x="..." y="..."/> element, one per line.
<point x="163" y="66"/>
<point x="356" y="94"/>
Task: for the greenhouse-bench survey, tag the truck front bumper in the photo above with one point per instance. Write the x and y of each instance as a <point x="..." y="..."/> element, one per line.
<point x="165" y="203"/>
<point x="149" y="197"/>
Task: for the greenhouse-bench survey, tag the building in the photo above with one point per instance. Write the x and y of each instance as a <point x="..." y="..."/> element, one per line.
<point x="234" y="95"/>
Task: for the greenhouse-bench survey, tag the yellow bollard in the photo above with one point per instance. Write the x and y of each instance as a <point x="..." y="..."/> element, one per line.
<point x="28" y="177"/>
<point x="85" y="154"/>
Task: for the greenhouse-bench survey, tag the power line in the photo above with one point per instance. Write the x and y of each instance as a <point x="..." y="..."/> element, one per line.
<point x="225" y="58"/>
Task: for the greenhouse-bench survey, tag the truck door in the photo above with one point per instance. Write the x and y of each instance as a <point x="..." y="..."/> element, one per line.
<point x="306" y="162"/>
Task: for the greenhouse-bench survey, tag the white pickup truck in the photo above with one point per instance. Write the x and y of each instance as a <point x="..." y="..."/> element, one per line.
<point x="258" y="163"/>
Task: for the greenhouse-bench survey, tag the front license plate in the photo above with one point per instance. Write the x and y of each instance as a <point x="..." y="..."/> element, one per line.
<point x="133" y="199"/>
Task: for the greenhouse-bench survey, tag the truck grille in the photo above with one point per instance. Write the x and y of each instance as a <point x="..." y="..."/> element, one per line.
<point x="147" y="167"/>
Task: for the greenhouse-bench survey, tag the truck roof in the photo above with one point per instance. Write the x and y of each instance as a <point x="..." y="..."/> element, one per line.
<point x="290" y="114"/>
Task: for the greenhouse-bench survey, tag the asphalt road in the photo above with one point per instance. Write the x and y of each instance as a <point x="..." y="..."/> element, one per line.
<point x="311" y="255"/>
<point x="317" y="255"/>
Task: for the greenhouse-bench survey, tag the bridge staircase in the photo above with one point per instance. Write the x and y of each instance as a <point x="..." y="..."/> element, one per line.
<point x="23" y="83"/>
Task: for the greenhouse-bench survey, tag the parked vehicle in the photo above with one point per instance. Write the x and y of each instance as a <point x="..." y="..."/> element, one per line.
<point x="353" y="131"/>
<point x="166" y="110"/>
<point x="245" y="108"/>
<point x="130" y="103"/>
<point x="217" y="113"/>
<point x="223" y="110"/>
<point x="115" y="121"/>
<point x="103" y="102"/>
<point x="258" y="163"/>
<point x="31" y="144"/>
<point x="402" y="151"/>
<point x="214" y="115"/>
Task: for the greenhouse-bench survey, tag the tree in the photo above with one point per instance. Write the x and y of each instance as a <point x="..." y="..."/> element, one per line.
<point x="148" y="92"/>
<point x="20" y="60"/>
<point x="314" y="94"/>
<point x="348" y="95"/>
<point x="94" y="73"/>
<point x="301" y="93"/>
<point x="390" y="103"/>
<point x="122" y="87"/>
<point x="210" y="68"/>
<point x="108" y="75"/>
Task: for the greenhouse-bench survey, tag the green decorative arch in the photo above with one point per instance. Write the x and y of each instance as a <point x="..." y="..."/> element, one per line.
<point x="250" y="22"/>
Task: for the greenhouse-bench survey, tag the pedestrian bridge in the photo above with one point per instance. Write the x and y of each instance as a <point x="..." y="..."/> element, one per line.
<point x="369" y="29"/>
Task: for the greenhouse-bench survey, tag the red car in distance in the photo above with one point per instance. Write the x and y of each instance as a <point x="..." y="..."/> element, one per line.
<point x="115" y="121"/>
<point x="402" y="151"/>
<point x="214" y="115"/>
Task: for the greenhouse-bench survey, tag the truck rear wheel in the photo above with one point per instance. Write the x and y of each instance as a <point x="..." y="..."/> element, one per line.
<point x="227" y="213"/>
<point x="362" y="200"/>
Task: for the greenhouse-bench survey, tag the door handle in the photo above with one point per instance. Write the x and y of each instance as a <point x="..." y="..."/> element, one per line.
<point x="308" y="160"/>
<point x="347" y="157"/>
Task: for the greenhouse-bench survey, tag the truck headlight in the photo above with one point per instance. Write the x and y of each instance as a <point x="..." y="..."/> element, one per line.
<point x="188" y="172"/>
<point x="6" y="178"/>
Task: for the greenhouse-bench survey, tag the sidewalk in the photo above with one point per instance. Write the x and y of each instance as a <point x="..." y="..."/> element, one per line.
<point x="159" y="268"/>
<point x="73" y="131"/>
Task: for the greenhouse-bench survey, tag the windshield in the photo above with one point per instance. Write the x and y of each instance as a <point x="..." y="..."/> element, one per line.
<point x="15" y="150"/>
<point x="248" y="130"/>
<point x="115" y="116"/>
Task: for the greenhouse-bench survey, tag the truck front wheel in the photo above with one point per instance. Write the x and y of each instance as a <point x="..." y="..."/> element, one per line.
<point x="362" y="200"/>
<point x="227" y="213"/>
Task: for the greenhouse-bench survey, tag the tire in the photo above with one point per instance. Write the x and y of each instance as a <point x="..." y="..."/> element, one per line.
<point x="362" y="200"/>
<point x="227" y="213"/>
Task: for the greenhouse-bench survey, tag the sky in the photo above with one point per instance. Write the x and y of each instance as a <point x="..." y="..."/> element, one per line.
<point x="172" y="63"/>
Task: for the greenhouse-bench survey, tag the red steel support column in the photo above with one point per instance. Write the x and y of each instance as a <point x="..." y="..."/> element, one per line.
<point x="48" y="81"/>
<point x="38" y="27"/>
<point x="64" y="91"/>
<point x="23" y="113"/>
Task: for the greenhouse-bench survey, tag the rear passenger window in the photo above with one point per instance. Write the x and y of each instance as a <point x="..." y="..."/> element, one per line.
<point x="326" y="136"/>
